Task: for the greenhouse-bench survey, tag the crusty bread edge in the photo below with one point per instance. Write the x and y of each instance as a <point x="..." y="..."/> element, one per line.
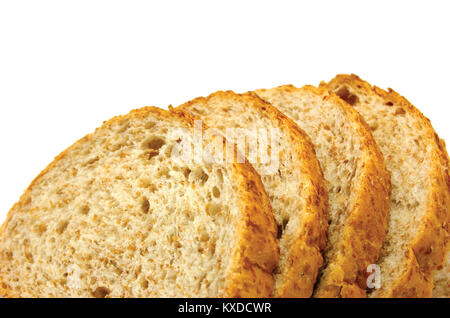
<point x="446" y="158"/>
<point x="427" y="251"/>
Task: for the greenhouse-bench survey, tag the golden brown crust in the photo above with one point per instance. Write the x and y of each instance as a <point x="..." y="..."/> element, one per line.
<point x="365" y="229"/>
<point x="441" y="286"/>
<point x="255" y="251"/>
<point x="427" y="251"/>
<point x="304" y="259"/>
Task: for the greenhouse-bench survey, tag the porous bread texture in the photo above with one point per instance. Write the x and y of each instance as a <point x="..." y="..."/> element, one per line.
<point x="296" y="189"/>
<point x="357" y="181"/>
<point x="418" y="231"/>
<point x="115" y="216"/>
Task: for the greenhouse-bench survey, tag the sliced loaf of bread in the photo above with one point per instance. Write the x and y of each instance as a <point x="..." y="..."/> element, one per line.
<point x="295" y="183"/>
<point x="117" y="215"/>
<point x="418" y="231"/>
<point x="357" y="181"/>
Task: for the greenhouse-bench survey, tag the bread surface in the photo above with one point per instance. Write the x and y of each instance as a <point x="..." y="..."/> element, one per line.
<point x="418" y="232"/>
<point x="115" y="215"/>
<point x="296" y="187"/>
<point x="357" y="181"/>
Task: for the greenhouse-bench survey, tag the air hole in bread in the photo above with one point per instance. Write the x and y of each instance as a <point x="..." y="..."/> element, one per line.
<point x="216" y="192"/>
<point x="101" y="292"/>
<point x="146" y="183"/>
<point x="279" y="231"/>
<point x="92" y="161"/>
<point x="154" y="143"/>
<point x="199" y="175"/>
<point x="281" y="227"/>
<point x="204" y="237"/>
<point x="144" y="283"/>
<point x="285" y="223"/>
<point x="138" y="271"/>
<point x="412" y="205"/>
<point x="62" y="226"/>
<point x="352" y="100"/>
<point x="152" y="153"/>
<point x="145" y="206"/>
<point x="399" y="111"/>
<point x="29" y="257"/>
<point x="345" y="94"/>
<point x="186" y="172"/>
<point x="416" y="141"/>
<point x="41" y="228"/>
<point x="389" y="104"/>
<point x="220" y="176"/>
<point x="85" y="209"/>
<point x="189" y="215"/>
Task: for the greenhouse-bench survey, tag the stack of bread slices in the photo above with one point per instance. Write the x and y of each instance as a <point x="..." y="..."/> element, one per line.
<point x="341" y="190"/>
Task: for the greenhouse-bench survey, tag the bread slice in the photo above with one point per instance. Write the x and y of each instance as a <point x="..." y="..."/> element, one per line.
<point x="357" y="181"/>
<point x="295" y="187"/>
<point x="115" y="215"/>
<point x="418" y="232"/>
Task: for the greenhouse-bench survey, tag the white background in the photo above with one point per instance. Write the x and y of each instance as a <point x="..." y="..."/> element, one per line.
<point x="66" y="66"/>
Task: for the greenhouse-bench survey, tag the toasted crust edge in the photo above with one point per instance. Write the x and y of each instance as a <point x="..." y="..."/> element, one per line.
<point x="305" y="253"/>
<point x="250" y="269"/>
<point x="427" y="251"/>
<point x="445" y="290"/>
<point x="368" y="216"/>
<point x="256" y="254"/>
